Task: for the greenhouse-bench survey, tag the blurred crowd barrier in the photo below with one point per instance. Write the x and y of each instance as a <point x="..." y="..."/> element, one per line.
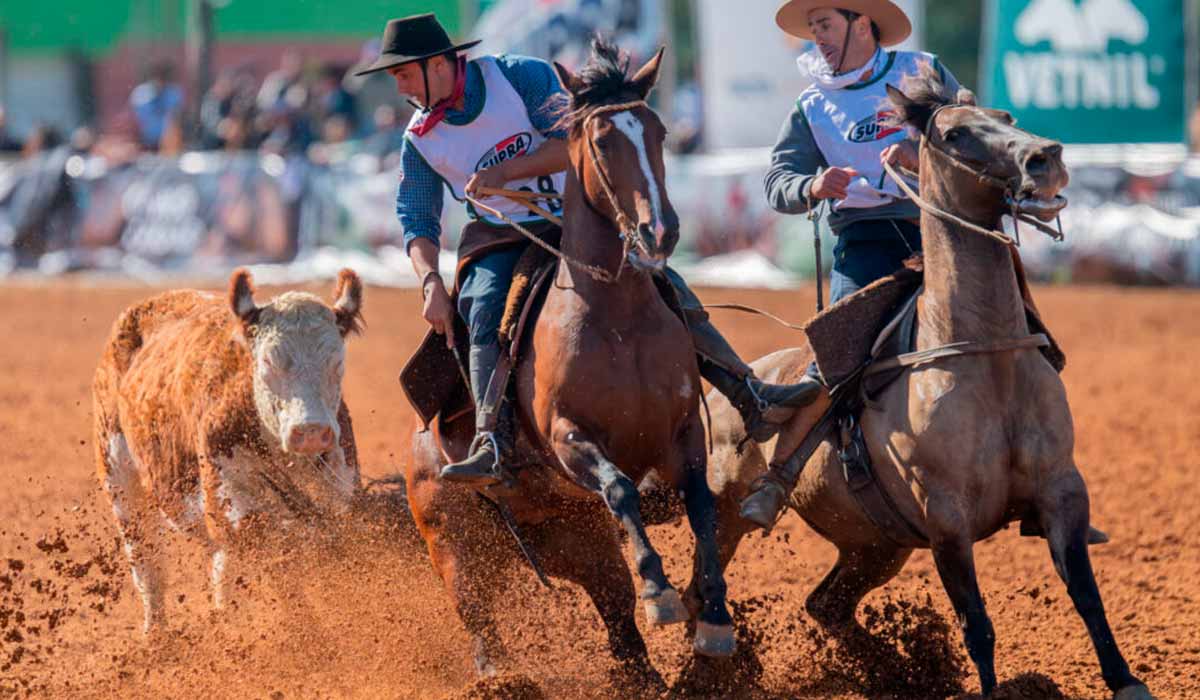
<point x="1134" y="218"/>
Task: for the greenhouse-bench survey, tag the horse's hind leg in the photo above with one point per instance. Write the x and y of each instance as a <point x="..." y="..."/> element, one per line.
<point x="591" y="469"/>
<point x="1063" y="511"/>
<point x="858" y="571"/>
<point x="714" y="630"/>
<point x="588" y="553"/>
<point x="953" y="554"/>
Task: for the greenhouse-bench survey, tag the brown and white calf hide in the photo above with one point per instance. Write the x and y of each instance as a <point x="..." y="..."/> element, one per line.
<point x="224" y="420"/>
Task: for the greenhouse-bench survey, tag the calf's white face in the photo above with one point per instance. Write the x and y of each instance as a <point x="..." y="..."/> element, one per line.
<point x="297" y="346"/>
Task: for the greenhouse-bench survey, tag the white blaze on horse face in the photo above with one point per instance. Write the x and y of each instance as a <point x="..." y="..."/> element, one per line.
<point x="629" y="125"/>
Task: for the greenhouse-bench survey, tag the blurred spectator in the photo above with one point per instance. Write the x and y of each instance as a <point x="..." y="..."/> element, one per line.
<point x="231" y="95"/>
<point x="157" y="104"/>
<point x="235" y="133"/>
<point x="373" y="90"/>
<point x="332" y="99"/>
<point x="387" y="139"/>
<point x="43" y="138"/>
<point x="284" y="88"/>
<point x="284" y="131"/>
<point x="335" y="145"/>
<point x="687" y="118"/>
<point x="83" y="139"/>
<point x="8" y="144"/>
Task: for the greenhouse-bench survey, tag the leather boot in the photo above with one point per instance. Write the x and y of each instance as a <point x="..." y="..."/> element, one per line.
<point x="769" y="492"/>
<point x="488" y="449"/>
<point x="764" y="407"/>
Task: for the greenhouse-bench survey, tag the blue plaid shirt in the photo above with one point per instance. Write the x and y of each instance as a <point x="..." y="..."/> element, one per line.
<point x="419" y="197"/>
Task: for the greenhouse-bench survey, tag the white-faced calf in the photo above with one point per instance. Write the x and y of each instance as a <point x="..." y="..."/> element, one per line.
<point x="224" y="420"/>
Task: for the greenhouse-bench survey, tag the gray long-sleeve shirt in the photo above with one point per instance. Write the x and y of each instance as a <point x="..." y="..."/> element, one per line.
<point x="797" y="158"/>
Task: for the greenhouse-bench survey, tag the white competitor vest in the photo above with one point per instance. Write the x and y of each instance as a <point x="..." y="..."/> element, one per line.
<point x="501" y="131"/>
<point x="848" y="126"/>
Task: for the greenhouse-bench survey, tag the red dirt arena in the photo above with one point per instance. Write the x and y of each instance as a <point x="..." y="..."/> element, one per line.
<point x="383" y="628"/>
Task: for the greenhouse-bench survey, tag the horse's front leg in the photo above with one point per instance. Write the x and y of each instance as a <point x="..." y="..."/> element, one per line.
<point x="587" y="466"/>
<point x="714" y="629"/>
<point x="1063" y="511"/>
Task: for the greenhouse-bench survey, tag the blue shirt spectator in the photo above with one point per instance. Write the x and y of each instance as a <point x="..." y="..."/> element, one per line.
<point x="155" y="103"/>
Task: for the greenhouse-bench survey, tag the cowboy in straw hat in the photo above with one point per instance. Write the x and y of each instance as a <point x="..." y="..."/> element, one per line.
<point x="832" y="147"/>
<point x="490" y="122"/>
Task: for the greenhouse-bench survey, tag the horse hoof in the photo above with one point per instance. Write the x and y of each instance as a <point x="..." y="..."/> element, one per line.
<point x="666" y="608"/>
<point x="714" y="640"/>
<point x="1133" y="692"/>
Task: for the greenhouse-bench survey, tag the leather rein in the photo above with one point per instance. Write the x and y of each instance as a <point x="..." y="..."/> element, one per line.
<point x="1005" y="186"/>
<point x="626" y="230"/>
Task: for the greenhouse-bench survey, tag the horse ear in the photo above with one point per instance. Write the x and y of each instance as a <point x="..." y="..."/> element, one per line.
<point x="644" y="80"/>
<point x="966" y="97"/>
<point x="241" y="295"/>
<point x="899" y="99"/>
<point x="908" y="111"/>
<point x="569" y="80"/>
<point x="348" y="294"/>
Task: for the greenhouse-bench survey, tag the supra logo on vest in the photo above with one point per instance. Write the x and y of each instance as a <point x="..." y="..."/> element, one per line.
<point x="873" y="128"/>
<point x="511" y="147"/>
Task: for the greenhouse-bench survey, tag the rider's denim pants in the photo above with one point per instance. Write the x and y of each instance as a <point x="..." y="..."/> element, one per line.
<point x="484" y="291"/>
<point x="868" y="250"/>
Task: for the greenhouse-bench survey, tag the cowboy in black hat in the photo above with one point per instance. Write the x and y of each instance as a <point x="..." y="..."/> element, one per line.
<point x="490" y="122"/>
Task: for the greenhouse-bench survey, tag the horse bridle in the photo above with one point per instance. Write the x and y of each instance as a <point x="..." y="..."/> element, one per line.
<point x="1004" y="185"/>
<point x="627" y="229"/>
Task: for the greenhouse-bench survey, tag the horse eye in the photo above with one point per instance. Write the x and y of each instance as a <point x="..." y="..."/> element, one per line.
<point x="952" y="135"/>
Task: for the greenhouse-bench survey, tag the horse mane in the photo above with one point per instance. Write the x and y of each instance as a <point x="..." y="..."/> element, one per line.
<point x="603" y="80"/>
<point x="926" y="92"/>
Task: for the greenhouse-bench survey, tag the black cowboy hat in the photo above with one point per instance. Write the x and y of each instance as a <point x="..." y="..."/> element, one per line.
<point x="411" y="39"/>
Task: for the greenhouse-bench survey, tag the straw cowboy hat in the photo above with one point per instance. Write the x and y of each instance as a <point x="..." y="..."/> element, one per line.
<point x="413" y="39"/>
<point x="893" y="24"/>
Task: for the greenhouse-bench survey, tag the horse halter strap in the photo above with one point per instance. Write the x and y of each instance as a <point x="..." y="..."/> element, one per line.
<point x="1005" y="186"/>
<point x="628" y="230"/>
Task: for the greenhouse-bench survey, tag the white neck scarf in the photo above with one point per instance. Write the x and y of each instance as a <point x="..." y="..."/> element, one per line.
<point x="814" y="65"/>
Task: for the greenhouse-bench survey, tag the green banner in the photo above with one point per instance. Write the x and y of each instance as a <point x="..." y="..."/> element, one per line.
<point x="1090" y="71"/>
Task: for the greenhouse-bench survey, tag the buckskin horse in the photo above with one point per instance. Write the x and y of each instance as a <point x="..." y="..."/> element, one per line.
<point x="962" y="445"/>
<point x="607" y="389"/>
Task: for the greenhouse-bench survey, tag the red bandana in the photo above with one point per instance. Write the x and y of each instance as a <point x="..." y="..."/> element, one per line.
<point x="431" y="118"/>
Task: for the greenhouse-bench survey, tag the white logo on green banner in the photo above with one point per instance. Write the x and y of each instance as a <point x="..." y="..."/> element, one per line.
<point x="1096" y="71"/>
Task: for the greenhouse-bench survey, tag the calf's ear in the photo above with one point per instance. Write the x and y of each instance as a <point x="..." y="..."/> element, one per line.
<point x="347" y="305"/>
<point x="241" y="302"/>
<point x="241" y="296"/>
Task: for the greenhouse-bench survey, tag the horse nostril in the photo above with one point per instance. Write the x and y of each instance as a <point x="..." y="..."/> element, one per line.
<point x="1037" y="164"/>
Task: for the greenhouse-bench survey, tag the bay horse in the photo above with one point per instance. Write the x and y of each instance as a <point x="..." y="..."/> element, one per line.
<point x="961" y="445"/>
<point x="607" y="390"/>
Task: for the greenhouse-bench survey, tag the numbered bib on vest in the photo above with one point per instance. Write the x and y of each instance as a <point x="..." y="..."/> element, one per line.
<point x="501" y="131"/>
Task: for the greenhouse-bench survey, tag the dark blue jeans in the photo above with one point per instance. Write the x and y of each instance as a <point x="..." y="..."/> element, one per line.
<point x="867" y="251"/>
<point x="484" y="292"/>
